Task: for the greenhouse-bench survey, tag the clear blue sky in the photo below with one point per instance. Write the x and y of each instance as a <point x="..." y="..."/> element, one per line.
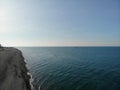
<point x="60" y="22"/>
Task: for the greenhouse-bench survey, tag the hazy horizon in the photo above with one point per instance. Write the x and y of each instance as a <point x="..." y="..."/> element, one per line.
<point x="60" y="23"/>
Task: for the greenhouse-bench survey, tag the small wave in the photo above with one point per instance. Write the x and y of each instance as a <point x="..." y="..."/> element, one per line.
<point x="31" y="79"/>
<point x="39" y="87"/>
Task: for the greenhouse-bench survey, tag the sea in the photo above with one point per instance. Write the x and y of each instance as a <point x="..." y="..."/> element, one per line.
<point x="74" y="68"/>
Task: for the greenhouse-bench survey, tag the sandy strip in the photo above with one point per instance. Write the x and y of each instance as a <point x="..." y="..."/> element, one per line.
<point x="13" y="72"/>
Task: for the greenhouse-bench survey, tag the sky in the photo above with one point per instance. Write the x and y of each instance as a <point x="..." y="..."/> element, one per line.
<point x="60" y="22"/>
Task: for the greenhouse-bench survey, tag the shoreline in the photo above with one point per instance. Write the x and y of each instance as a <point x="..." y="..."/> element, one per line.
<point x="13" y="71"/>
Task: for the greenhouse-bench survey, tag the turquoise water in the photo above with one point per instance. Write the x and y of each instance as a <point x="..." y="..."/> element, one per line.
<point x="74" y="68"/>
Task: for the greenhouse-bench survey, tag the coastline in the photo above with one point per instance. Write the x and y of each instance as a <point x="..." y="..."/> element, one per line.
<point x="13" y="71"/>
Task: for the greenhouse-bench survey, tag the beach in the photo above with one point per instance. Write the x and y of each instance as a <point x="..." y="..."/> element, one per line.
<point x="13" y="71"/>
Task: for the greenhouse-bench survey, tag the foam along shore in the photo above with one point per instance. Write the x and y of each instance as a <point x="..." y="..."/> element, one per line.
<point x="13" y="72"/>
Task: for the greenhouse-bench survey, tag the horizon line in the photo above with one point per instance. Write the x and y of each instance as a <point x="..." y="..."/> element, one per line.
<point x="61" y="46"/>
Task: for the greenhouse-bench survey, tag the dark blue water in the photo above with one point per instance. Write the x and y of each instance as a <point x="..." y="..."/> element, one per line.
<point x="74" y="68"/>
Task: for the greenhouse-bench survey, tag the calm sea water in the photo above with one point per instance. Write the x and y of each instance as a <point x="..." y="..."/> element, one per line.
<point x="74" y="68"/>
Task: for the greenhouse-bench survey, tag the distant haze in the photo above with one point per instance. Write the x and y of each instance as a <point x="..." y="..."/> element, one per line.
<point x="60" y="22"/>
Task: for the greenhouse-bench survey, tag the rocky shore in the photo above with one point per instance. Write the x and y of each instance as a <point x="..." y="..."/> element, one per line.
<point x="13" y="71"/>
